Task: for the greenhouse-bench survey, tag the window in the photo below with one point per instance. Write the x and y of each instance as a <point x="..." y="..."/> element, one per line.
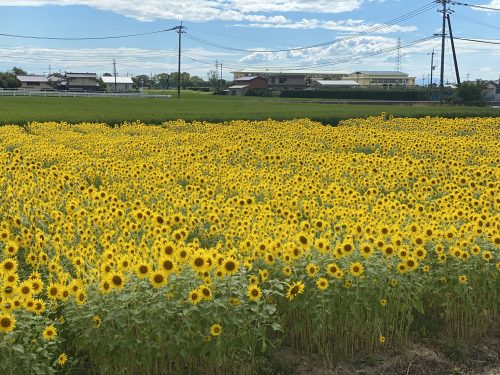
<point x="282" y="79"/>
<point x="33" y="83"/>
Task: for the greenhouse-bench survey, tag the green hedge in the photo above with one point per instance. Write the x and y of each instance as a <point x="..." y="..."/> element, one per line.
<point x="413" y="95"/>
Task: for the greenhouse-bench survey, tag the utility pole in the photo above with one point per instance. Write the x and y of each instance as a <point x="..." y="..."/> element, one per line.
<point x="180" y="30"/>
<point x="221" y="75"/>
<point x="114" y="71"/>
<point x="443" y="42"/>
<point x="453" y="50"/>
<point x="50" y="70"/>
<point x="432" y="71"/>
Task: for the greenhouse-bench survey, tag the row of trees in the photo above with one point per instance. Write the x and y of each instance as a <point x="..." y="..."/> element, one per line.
<point x="167" y="81"/>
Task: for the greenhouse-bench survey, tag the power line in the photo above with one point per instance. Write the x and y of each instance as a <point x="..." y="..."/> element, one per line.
<point x="478" y="41"/>
<point x="85" y="38"/>
<point x="474" y="20"/>
<point x="373" y="29"/>
<point x="475" y="6"/>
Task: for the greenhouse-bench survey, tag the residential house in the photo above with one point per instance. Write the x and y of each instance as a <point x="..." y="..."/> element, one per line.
<point x="381" y="78"/>
<point x="81" y="82"/>
<point x="118" y="84"/>
<point x="493" y="91"/>
<point x="288" y="79"/>
<point x="243" y="84"/>
<point x="33" y="82"/>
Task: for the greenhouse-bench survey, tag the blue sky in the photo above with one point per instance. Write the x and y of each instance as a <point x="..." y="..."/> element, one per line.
<point x="355" y="28"/>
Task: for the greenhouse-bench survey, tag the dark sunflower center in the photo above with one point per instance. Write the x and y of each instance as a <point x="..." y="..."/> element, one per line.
<point x="5" y="322"/>
<point x="294" y="290"/>
<point x="199" y="262"/>
<point x="168" y="265"/>
<point x="143" y="269"/>
<point x="158" y="279"/>
<point x="117" y="280"/>
<point x="303" y="240"/>
<point x="230" y="266"/>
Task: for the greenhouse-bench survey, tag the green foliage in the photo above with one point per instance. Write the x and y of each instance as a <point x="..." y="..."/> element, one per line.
<point x="259" y="92"/>
<point x="197" y="106"/>
<point x="9" y="80"/>
<point x="471" y="92"/>
<point x="406" y="95"/>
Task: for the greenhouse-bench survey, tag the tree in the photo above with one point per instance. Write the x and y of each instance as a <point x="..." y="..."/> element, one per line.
<point x="9" y="81"/>
<point x="213" y="81"/>
<point x="162" y="81"/>
<point x="196" y="81"/>
<point x="107" y="75"/>
<point x="470" y="92"/>
<point x="19" y="72"/>
<point x="142" y="80"/>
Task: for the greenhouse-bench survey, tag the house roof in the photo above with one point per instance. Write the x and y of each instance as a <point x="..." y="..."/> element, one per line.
<point x="239" y="86"/>
<point x="251" y="78"/>
<point x="380" y="73"/>
<point x="33" y="79"/>
<point x="345" y="82"/>
<point x="81" y="75"/>
<point x="280" y="71"/>
<point x="122" y="80"/>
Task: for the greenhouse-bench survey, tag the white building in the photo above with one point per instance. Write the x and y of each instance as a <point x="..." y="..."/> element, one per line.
<point x="333" y="84"/>
<point x="118" y="84"/>
<point x="381" y="78"/>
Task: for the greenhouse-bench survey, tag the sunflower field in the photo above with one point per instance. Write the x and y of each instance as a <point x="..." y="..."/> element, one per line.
<point x="201" y="247"/>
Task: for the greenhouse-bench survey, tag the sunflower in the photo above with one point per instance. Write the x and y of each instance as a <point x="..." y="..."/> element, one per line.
<point x="142" y="270"/>
<point x="104" y="286"/>
<point x="116" y="280"/>
<point x="9" y="265"/>
<point x="194" y="297"/>
<point x="322" y="283"/>
<point x="287" y="271"/>
<point x="198" y="262"/>
<point x="205" y="292"/>
<point x="167" y="265"/>
<point x="411" y="263"/>
<point x="381" y="339"/>
<point x="49" y="333"/>
<point x="230" y="266"/>
<point x="402" y="267"/>
<point x="294" y="290"/>
<point x="7" y="323"/>
<point x="312" y="269"/>
<point x="62" y="359"/>
<point x="383" y="302"/>
<point x="215" y="330"/>
<point x="332" y="269"/>
<point x="254" y="292"/>
<point x="356" y="269"/>
<point x="487" y="255"/>
<point x="97" y="321"/>
<point x="462" y="279"/>
<point x="158" y="279"/>
<point x="366" y="250"/>
<point x="53" y="291"/>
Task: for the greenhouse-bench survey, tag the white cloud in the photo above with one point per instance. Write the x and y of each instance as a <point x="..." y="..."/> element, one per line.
<point x="348" y="25"/>
<point x="202" y="10"/>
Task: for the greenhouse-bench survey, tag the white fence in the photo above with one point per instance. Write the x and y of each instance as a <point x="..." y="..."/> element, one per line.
<point x="78" y="94"/>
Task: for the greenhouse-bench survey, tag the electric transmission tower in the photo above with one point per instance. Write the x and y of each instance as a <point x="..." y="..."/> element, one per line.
<point x="398" y="58"/>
